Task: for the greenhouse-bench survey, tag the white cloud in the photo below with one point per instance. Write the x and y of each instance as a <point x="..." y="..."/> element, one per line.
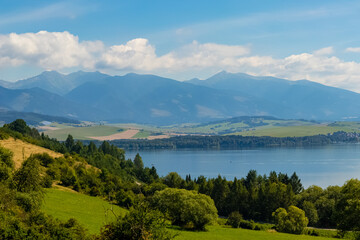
<point x="49" y="50"/>
<point x="324" y="51"/>
<point x="61" y="50"/>
<point x="353" y="49"/>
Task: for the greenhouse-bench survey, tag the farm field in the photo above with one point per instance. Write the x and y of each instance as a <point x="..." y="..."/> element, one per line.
<point x="227" y="233"/>
<point x="255" y="127"/>
<point x="292" y="131"/>
<point x="82" y="133"/>
<point x="91" y="212"/>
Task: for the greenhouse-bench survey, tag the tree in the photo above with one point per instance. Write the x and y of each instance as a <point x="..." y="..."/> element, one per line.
<point x="19" y="125"/>
<point x="173" y="180"/>
<point x="138" y="163"/>
<point x="141" y="223"/>
<point x="296" y="183"/>
<point x="310" y="212"/>
<point x="348" y="207"/>
<point x="28" y="178"/>
<point x="291" y="221"/>
<point x="69" y="143"/>
<point x="186" y="208"/>
<point x="6" y="164"/>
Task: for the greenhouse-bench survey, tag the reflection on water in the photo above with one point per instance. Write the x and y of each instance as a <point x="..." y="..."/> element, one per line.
<point x="322" y="166"/>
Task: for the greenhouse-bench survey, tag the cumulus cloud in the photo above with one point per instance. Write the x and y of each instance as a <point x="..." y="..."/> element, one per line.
<point x="49" y="50"/>
<point x="59" y="50"/>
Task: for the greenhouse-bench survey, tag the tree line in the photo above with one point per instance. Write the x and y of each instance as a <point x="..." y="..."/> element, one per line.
<point x="234" y="142"/>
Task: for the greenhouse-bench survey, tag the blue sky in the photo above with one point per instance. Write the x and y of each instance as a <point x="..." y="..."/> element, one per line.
<point x="316" y="40"/>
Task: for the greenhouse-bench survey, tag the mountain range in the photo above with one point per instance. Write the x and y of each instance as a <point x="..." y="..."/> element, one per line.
<point x="156" y="100"/>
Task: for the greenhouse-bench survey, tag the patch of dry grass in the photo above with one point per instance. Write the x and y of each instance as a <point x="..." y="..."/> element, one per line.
<point x="22" y="150"/>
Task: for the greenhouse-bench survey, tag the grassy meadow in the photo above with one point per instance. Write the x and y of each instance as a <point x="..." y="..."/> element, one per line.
<point x="227" y="233"/>
<point x="91" y="212"/>
<point x="82" y="133"/>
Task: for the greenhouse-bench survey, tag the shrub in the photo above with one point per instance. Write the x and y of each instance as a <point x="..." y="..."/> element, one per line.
<point x="234" y="219"/>
<point x="140" y="223"/>
<point x="247" y="224"/>
<point x="186" y="208"/>
<point x="291" y="221"/>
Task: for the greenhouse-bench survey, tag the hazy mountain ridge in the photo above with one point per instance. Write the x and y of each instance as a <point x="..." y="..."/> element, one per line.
<point x="55" y="82"/>
<point x="32" y="118"/>
<point x="158" y="100"/>
<point x="40" y="101"/>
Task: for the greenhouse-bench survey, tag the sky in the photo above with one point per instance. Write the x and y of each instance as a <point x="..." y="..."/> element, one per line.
<point x="314" y="40"/>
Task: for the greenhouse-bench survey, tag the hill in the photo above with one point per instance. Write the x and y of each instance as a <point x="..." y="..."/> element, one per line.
<point x="22" y="150"/>
<point x="92" y="212"/>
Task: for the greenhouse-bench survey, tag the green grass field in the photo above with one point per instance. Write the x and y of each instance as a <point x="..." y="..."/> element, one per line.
<point x="226" y="233"/>
<point x="91" y="212"/>
<point x="295" y="131"/>
<point x="142" y="134"/>
<point x="83" y="133"/>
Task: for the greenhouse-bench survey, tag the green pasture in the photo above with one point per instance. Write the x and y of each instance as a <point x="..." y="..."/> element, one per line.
<point x="91" y="212"/>
<point x="227" y="233"/>
<point x="295" y="131"/>
<point x="83" y="133"/>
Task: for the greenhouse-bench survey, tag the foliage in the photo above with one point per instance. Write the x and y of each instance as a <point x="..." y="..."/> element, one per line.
<point x="291" y="221"/>
<point x="140" y="223"/>
<point x="235" y="142"/>
<point x="348" y="207"/>
<point x="186" y="207"/>
<point x="234" y="219"/>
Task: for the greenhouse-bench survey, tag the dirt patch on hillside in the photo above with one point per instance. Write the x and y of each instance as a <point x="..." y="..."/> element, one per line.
<point x="128" y="134"/>
<point x="23" y="150"/>
<point x="62" y="188"/>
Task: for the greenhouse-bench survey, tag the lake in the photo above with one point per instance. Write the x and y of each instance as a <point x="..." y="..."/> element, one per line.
<point x="322" y="166"/>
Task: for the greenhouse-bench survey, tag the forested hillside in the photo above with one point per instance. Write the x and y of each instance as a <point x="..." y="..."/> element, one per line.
<point x="156" y="201"/>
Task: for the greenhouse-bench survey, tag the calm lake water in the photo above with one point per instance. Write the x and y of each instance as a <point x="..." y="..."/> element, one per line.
<point x="322" y="166"/>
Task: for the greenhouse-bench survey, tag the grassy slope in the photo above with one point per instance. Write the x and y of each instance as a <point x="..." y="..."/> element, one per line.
<point x="23" y="150"/>
<point x="91" y="212"/>
<point x="225" y="233"/>
<point x="82" y="133"/>
<point x="142" y="134"/>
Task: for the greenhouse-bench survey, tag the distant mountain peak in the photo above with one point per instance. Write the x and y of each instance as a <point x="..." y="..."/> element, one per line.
<point x="50" y="73"/>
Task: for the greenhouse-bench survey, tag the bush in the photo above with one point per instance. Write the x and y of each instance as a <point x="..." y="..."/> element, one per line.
<point x="186" y="208"/>
<point x="234" y="219"/>
<point x="140" y="223"/>
<point x="247" y="224"/>
<point x="291" y="221"/>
